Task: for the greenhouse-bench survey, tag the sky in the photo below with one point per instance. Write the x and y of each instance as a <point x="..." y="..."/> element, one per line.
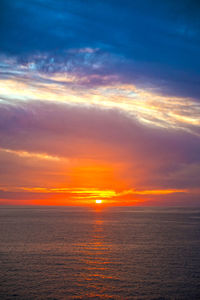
<point x="100" y="100"/>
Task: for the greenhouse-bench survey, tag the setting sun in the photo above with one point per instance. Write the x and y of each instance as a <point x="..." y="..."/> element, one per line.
<point x="98" y="201"/>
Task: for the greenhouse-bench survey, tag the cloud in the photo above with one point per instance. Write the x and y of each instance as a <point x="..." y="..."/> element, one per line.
<point x="154" y="45"/>
<point x="30" y="154"/>
<point x="91" y="145"/>
<point x="76" y="82"/>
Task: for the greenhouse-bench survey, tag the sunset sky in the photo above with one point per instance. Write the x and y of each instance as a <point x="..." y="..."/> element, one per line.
<point x="100" y="100"/>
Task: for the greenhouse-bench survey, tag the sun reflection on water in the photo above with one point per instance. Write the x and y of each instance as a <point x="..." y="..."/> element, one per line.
<point x="96" y="260"/>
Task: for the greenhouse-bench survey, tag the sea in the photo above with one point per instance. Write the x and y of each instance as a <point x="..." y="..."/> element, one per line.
<point x="99" y="253"/>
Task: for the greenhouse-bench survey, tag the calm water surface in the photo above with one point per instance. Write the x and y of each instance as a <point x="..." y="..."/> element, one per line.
<point x="109" y="253"/>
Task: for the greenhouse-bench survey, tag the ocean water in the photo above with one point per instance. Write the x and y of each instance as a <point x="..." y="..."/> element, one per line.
<point x="103" y="253"/>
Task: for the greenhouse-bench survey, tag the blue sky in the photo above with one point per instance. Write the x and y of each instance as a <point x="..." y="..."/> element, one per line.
<point x="155" y="41"/>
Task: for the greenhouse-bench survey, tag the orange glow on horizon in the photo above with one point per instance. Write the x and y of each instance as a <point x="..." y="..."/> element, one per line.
<point x="81" y="181"/>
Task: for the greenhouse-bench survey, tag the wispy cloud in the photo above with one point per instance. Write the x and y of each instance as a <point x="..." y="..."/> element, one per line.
<point x="104" y="91"/>
<point x="27" y="154"/>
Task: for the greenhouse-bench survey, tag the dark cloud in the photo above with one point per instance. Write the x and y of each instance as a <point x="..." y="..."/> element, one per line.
<point x="159" y="41"/>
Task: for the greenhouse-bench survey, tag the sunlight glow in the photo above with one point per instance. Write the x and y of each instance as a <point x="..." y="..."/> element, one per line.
<point x="98" y="201"/>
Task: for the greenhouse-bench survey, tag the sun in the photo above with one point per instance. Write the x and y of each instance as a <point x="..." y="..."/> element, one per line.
<point x="98" y="201"/>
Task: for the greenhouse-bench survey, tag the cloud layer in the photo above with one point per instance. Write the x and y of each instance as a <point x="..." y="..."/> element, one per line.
<point x="53" y="146"/>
